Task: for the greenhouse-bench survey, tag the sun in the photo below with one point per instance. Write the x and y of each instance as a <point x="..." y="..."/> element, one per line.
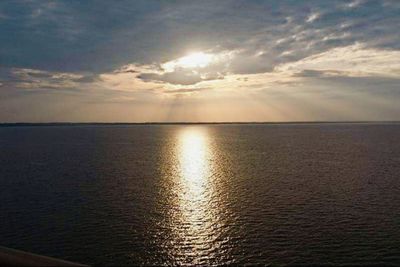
<point x="191" y="61"/>
<point x="195" y="60"/>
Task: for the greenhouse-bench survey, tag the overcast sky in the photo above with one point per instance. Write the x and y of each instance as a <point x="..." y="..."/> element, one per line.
<point x="253" y="60"/>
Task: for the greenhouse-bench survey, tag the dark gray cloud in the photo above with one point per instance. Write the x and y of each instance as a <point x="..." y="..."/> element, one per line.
<point x="183" y="78"/>
<point x="39" y="79"/>
<point x="99" y="36"/>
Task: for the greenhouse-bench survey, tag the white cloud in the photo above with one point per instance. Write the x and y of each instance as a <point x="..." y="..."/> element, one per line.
<point x="187" y="70"/>
<point x="353" y="4"/>
<point x="313" y="17"/>
<point x="354" y="60"/>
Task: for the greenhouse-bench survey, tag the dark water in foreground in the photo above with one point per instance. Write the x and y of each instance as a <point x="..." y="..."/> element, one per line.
<point x="206" y="194"/>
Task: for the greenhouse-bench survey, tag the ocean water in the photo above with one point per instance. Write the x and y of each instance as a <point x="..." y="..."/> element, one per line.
<point x="281" y="194"/>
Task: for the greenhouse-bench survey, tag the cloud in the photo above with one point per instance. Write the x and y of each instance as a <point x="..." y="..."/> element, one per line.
<point x="186" y="90"/>
<point x="139" y="68"/>
<point x="39" y="79"/>
<point x="354" y="60"/>
<point x="354" y="4"/>
<point x="67" y="36"/>
<point x="187" y="70"/>
<point x="130" y="52"/>
<point x="178" y="77"/>
<point x="312" y="17"/>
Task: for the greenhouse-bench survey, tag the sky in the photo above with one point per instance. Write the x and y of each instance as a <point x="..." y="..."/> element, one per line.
<point x="199" y="61"/>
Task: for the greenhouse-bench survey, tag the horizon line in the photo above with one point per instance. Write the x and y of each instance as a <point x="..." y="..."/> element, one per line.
<point x="2" y="124"/>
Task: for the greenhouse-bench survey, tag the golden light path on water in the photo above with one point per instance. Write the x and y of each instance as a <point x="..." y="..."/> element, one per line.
<point x="197" y="221"/>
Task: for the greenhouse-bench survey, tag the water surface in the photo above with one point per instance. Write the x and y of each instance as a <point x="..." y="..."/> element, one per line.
<point x="203" y="194"/>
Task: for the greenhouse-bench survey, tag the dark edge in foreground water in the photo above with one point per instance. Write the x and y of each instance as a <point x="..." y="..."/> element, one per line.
<point x="16" y="124"/>
<point x="14" y="257"/>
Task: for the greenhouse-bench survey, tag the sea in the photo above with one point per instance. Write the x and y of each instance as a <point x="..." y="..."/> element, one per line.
<point x="207" y="194"/>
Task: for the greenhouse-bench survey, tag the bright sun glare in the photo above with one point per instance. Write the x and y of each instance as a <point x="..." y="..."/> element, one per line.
<point x="193" y="60"/>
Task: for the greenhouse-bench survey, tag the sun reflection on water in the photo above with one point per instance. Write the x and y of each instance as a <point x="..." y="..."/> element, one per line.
<point x="196" y="215"/>
<point x="195" y="226"/>
<point x="194" y="160"/>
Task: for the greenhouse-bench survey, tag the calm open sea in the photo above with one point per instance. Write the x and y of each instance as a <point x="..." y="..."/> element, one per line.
<point x="203" y="194"/>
